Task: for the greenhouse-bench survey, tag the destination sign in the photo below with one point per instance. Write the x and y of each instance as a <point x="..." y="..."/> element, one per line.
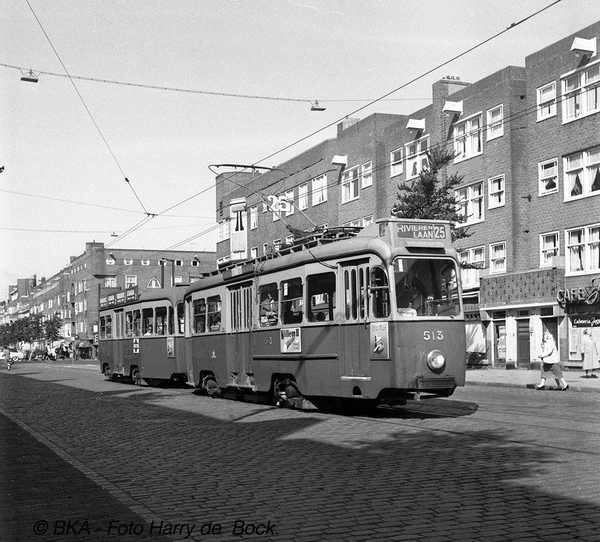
<point x="421" y="231"/>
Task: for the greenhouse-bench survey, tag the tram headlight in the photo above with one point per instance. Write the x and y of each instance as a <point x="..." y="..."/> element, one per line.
<point x="436" y="360"/>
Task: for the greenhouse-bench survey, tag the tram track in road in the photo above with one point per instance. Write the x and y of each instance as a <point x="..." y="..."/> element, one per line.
<point x="578" y="433"/>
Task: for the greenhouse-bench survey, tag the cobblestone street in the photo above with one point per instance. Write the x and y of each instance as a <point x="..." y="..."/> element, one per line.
<point x="88" y="459"/>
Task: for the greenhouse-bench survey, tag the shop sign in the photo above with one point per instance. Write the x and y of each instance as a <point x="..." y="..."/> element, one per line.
<point x="589" y="320"/>
<point x="580" y="296"/>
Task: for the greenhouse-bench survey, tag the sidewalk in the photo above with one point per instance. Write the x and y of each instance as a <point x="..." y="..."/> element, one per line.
<point x="523" y="378"/>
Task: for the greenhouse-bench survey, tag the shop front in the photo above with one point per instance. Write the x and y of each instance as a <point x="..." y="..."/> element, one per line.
<point x="582" y="307"/>
<point x="516" y="310"/>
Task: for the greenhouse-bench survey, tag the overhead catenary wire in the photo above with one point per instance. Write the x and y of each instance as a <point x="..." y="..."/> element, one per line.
<point x="204" y="92"/>
<point x="386" y="95"/>
<point x="85" y="106"/>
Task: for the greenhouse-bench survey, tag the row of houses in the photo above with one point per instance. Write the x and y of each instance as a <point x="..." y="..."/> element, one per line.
<point x="526" y="141"/>
<point x="73" y="293"/>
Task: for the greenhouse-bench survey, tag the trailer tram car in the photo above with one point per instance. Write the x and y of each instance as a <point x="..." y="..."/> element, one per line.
<point x="343" y="316"/>
<point x="141" y="337"/>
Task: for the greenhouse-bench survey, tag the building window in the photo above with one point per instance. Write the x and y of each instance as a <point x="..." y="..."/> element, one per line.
<point x="265" y="249"/>
<point x="548" y="249"/>
<point x="416" y="157"/>
<point x="496" y="196"/>
<point x="130" y="281"/>
<point x="223" y="230"/>
<point x="581" y="93"/>
<point x="366" y="175"/>
<point x="276" y="209"/>
<point x="350" y="184"/>
<point x="470" y="201"/>
<point x="495" y="122"/>
<point x="475" y="258"/>
<point x="154" y="283"/>
<point x="145" y="262"/>
<point x="128" y="261"/>
<point x="583" y="250"/>
<point x="396" y="162"/>
<point x="319" y="189"/>
<point x="303" y="196"/>
<point x="546" y="101"/>
<point x="254" y="252"/>
<point x="467" y="138"/>
<point x="110" y="261"/>
<point x="110" y="282"/>
<point x="289" y="198"/>
<point x="254" y="217"/>
<point x="582" y="174"/>
<point x="498" y="258"/>
<point x="548" y="176"/>
<point x="367" y="220"/>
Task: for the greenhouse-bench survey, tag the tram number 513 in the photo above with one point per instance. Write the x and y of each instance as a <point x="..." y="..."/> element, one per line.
<point x="433" y="335"/>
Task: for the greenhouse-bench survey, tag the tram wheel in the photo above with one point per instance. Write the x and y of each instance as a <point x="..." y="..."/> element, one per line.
<point x="287" y="394"/>
<point x="211" y="387"/>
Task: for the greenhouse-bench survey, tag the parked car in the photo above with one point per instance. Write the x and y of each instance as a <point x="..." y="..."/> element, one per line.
<point x="15" y="355"/>
<point x="38" y="355"/>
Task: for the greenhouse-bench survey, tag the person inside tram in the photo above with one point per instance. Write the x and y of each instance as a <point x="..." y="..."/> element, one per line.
<point x="268" y="310"/>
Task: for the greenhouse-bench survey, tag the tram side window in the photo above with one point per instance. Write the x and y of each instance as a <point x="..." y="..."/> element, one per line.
<point x="119" y="324"/>
<point x="292" y="301"/>
<point x="106" y="327"/>
<point x="137" y="323"/>
<point x="214" y="313"/>
<point x="268" y="296"/>
<point x="180" y="318"/>
<point x="380" y="293"/>
<point x="147" y="321"/>
<point x="171" y="321"/>
<point x="321" y="297"/>
<point x="132" y="323"/>
<point x="160" y="321"/>
<point x="199" y="316"/>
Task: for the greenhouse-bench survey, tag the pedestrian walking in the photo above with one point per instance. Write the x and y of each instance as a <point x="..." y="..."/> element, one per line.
<point x="589" y="354"/>
<point x="551" y="364"/>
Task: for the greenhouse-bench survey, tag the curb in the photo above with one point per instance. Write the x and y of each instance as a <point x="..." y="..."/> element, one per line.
<point x="572" y="387"/>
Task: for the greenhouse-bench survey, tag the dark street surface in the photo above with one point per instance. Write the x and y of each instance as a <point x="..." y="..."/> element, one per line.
<point x="87" y="459"/>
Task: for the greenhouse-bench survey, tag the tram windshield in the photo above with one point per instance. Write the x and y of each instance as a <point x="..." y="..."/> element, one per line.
<point x="426" y="287"/>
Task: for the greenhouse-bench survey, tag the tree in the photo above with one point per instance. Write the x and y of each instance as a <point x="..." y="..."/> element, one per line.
<point x="52" y="328"/>
<point x="430" y="197"/>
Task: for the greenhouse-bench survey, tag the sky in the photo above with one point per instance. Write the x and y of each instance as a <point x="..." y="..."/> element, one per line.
<point x="90" y="150"/>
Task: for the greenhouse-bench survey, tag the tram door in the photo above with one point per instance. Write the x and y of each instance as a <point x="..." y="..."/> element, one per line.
<point x="239" y="342"/>
<point x="354" y="335"/>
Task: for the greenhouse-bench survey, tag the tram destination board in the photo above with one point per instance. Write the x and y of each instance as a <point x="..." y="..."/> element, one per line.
<point x="422" y="230"/>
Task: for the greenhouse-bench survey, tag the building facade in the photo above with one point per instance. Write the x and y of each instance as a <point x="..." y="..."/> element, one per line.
<point x="526" y="144"/>
<point x="73" y="293"/>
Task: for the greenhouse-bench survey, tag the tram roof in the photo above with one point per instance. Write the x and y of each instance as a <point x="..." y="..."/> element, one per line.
<point x="131" y="295"/>
<point x="384" y="237"/>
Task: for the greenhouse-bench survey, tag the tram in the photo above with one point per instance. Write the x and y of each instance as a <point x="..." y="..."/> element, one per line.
<point x="141" y="337"/>
<point x="360" y="316"/>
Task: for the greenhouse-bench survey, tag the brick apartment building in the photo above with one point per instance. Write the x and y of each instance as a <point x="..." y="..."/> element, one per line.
<point x="73" y="293"/>
<point x="527" y="145"/>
